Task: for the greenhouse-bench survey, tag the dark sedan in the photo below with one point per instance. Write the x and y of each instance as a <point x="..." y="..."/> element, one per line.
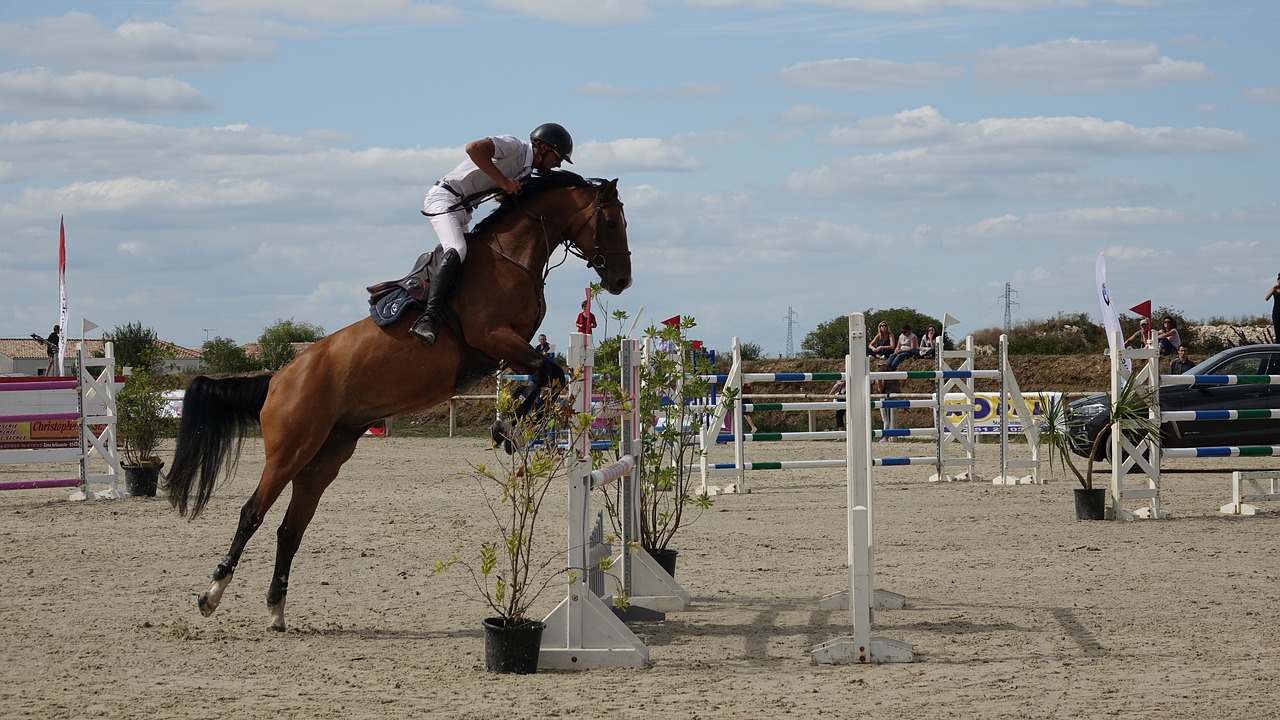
<point x="1089" y="416"/>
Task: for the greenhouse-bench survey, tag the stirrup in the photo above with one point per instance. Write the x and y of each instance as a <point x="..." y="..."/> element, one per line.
<point x="424" y="328"/>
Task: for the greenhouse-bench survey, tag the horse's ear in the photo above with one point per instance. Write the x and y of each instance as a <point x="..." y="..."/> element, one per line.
<point x="612" y="185"/>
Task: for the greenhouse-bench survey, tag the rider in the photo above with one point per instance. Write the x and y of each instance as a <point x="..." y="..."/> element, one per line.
<point x="497" y="162"/>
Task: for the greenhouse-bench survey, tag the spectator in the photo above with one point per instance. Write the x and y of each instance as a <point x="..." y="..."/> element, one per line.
<point x="1274" y="296"/>
<point x="838" y="390"/>
<point x="586" y="321"/>
<point x="908" y="347"/>
<point x="1143" y="332"/>
<point x="1181" y="364"/>
<point x="882" y="345"/>
<point x="543" y="346"/>
<point x="1168" y="337"/>
<point x="929" y="343"/>
<point x="51" y="346"/>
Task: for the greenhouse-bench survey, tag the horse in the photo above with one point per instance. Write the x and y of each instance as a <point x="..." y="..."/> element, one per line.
<point x="313" y="410"/>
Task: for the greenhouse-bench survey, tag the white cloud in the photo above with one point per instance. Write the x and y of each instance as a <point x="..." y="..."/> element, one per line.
<point x="80" y="40"/>
<point x="330" y="11"/>
<point x="802" y="115"/>
<point x="41" y="91"/>
<point x="1076" y="222"/>
<point x="865" y="75"/>
<point x="1058" y="135"/>
<point x="636" y="154"/>
<point x="923" y="6"/>
<point x="1074" y="66"/>
<point x="1035" y="159"/>
<point x="575" y="12"/>
<point x="1268" y="95"/>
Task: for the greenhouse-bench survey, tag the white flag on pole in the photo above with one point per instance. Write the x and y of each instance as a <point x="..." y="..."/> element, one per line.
<point x="1110" y="318"/>
<point x="86" y="325"/>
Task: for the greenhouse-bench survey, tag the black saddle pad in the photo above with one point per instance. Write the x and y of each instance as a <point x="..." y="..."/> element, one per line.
<point x="388" y="308"/>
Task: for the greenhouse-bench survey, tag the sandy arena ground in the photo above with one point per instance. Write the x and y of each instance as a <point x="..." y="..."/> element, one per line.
<point x="1015" y="608"/>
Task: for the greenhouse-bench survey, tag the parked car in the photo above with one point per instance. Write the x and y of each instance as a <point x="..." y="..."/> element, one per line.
<point x="1089" y="416"/>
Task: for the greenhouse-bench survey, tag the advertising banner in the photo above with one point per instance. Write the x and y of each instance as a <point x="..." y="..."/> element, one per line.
<point x="990" y="412"/>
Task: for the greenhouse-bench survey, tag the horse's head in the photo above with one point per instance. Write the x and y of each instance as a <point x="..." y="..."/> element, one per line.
<point x="583" y="215"/>
<point x="603" y="242"/>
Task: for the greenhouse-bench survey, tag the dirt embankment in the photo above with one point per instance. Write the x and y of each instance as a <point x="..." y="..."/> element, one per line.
<point x="1034" y="373"/>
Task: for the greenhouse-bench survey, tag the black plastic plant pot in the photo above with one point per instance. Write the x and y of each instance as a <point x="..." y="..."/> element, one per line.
<point x="666" y="560"/>
<point x="512" y="647"/>
<point x="1091" y="503"/>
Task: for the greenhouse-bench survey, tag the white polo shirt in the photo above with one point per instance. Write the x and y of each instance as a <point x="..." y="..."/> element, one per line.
<point x="513" y="156"/>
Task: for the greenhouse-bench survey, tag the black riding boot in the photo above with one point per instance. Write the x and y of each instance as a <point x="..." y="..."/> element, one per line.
<point x="442" y="282"/>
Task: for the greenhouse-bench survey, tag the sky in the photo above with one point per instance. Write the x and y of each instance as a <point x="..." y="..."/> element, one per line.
<point x="225" y="164"/>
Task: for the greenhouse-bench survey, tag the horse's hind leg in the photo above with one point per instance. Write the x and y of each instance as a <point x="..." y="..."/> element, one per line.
<point x="250" y="519"/>
<point x="308" y="486"/>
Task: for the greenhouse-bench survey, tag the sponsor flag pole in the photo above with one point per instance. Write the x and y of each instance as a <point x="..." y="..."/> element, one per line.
<point x="1110" y="319"/>
<point x="62" y="293"/>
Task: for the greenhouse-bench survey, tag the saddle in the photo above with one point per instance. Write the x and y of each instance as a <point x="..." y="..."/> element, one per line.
<point x="390" y="298"/>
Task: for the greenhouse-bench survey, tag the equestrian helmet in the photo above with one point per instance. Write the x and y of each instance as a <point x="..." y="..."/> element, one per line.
<point x="557" y="137"/>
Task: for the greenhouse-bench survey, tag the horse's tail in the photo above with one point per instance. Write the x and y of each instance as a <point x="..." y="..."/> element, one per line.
<point x="216" y="415"/>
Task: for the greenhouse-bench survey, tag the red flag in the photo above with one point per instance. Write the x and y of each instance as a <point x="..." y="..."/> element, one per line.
<point x="697" y="345"/>
<point x="673" y="320"/>
<point x="1143" y="308"/>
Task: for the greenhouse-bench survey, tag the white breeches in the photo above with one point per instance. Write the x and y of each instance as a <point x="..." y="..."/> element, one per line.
<point x="450" y="227"/>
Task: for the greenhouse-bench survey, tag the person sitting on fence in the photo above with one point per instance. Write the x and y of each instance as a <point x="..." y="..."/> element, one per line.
<point x="908" y="347"/>
<point x="888" y="416"/>
<point x="1168" y="337"/>
<point x="1143" y="333"/>
<point x="838" y="390"/>
<point x="929" y="343"/>
<point x="882" y="345"/>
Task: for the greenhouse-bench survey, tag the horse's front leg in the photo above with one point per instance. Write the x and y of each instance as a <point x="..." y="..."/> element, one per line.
<point x="544" y="373"/>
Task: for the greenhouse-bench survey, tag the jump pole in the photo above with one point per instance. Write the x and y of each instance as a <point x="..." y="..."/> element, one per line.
<point x="583" y="632"/>
<point x="861" y="646"/>
<point x="90" y="391"/>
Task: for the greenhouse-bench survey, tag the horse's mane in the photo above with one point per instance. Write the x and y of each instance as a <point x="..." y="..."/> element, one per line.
<point x="537" y="184"/>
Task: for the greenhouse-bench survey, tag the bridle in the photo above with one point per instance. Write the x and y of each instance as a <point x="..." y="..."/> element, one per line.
<point x="598" y="261"/>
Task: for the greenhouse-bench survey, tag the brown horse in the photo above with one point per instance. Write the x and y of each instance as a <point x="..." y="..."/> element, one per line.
<point x="313" y="411"/>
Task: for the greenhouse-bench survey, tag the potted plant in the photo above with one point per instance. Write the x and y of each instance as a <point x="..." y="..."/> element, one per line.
<point x="141" y="423"/>
<point x="507" y="572"/>
<point x="1128" y="412"/>
<point x="672" y="386"/>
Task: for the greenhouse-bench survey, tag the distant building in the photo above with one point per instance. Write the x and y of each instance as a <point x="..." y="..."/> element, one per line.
<point x="27" y="356"/>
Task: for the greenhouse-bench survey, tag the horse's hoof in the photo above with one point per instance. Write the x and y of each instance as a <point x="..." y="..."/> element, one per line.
<point x="206" y="607"/>
<point x="277" y="615"/>
<point x="508" y="446"/>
